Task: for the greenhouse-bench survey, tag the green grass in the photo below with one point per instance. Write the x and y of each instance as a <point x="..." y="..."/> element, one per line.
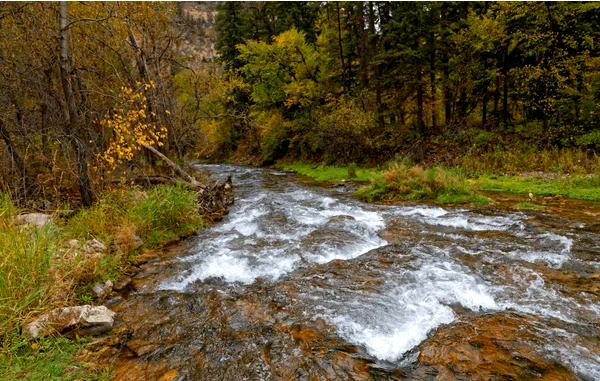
<point x="405" y="182"/>
<point x="332" y="173"/>
<point x="167" y="212"/>
<point x="39" y="271"/>
<point x="576" y="187"/>
<point x="25" y="254"/>
<point x="51" y="358"/>
<point x="161" y="214"/>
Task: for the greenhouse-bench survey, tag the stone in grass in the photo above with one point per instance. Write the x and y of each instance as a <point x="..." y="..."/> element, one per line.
<point x="79" y="320"/>
<point x="36" y="219"/>
<point x="94" y="246"/>
<point x="102" y="289"/>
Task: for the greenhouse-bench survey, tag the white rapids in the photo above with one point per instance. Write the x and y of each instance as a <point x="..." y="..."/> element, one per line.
<point x="278" y="226"/>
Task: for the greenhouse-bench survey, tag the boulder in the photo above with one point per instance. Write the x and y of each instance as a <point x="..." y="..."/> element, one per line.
<point x="94" y="246"/>
<point x="36" y="219"/>
<point x="81" y="320"/>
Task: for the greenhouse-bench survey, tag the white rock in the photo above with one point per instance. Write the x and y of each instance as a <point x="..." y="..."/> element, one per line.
<point x="101" y="290"/>
<point x="37" y="219"/>
<point x="73" y="243"/>
<point x="80" y="319"/>
<point x="94" y="246"/>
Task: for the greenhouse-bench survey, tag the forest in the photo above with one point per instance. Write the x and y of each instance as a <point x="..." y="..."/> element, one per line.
<point x="506" y="84"/>
<point x="105" y="108"/>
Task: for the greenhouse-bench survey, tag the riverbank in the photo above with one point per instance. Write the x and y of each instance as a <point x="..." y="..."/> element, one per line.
<point x="58" y="262"/>
<point x="455" y="185"/>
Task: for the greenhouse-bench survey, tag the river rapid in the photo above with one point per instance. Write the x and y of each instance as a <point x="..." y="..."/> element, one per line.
<point x="304" y="282"/>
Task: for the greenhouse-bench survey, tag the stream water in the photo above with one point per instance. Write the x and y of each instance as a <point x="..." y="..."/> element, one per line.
<point x="303" y="282"/>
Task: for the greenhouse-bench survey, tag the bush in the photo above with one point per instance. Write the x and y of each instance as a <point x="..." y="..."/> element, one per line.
<point x="402" y="182"/>
<point x="344" y="133"/>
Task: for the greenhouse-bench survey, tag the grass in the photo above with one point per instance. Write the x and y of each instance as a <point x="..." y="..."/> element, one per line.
<point x="332" y="173"/>
<point x="416" y="185"/>
<point x="525" y="157"/>
<point x="39" y="270"/>
<point x="51" y="358"/>
<point x="405" y="182"/>
<point x="576" y="187"/>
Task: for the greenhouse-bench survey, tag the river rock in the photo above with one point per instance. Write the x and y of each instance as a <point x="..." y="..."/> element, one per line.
<point x="340" y="219"/>
<point x="36" y="219"/>
<point x="94" y="246"/>
<point x="83" y="320"/>
<point x="122" y="284"/>
<point x="102" y="290"/>
<point x="491" y="346"/>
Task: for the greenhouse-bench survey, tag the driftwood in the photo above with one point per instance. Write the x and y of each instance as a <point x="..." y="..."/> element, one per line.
<point x="214" y="197"/>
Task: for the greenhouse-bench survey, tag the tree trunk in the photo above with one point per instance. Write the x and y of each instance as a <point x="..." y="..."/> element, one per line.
<point x="432" y="79"/>
<point x="505" y="114"/>
<point x="340" y="45"/>
<point x="420" y="122"/>
<point x="73" y="125"/>
<point x="16" y="158"/>
<point x="193" y="182"/>
<point x="496" y="99"/>
<point x="484" y="110"/>
<point x="376" y="73"/>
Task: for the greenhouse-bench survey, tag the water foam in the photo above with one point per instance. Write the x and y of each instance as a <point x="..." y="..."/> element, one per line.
<point x="271" y="234"/>
<point x="393" y="323"/>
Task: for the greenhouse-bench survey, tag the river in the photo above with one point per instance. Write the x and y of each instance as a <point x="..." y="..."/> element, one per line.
<point x="305" y="282"/>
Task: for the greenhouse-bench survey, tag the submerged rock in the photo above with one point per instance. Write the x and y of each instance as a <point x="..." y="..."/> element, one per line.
<point x="36" y="219"/>
<point x="492" y="346"/>
<point x="82" y="320"/>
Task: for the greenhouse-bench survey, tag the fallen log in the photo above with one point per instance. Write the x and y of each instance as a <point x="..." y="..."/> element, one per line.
<point x="214" y="197"/>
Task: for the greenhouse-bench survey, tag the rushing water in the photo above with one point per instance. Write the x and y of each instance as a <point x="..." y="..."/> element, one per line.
<point x="386" y="279"/>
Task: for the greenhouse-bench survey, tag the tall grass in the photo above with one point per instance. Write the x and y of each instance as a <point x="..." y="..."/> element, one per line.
<point x="38" y="268"/>
<point x="522" y="159"/>
<point x="165" y="213"/>
<point x="404" y="182"/>
<point x="25" y="254"/>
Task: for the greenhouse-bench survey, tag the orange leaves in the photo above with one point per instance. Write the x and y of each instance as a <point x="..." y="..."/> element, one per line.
<point x="133" y="126"/>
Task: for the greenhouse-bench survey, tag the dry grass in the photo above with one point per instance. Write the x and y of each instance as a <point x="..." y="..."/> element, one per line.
<point x="405" y="182"/>
<point x="518" y="160"/>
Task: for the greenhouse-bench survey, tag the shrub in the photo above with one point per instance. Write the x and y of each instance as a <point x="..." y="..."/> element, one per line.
<point x="402" y="182"/>
<point x="344" y="132"/>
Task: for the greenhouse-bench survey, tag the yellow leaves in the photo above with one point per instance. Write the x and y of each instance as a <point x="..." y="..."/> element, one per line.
<point x="132" y="127"/>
